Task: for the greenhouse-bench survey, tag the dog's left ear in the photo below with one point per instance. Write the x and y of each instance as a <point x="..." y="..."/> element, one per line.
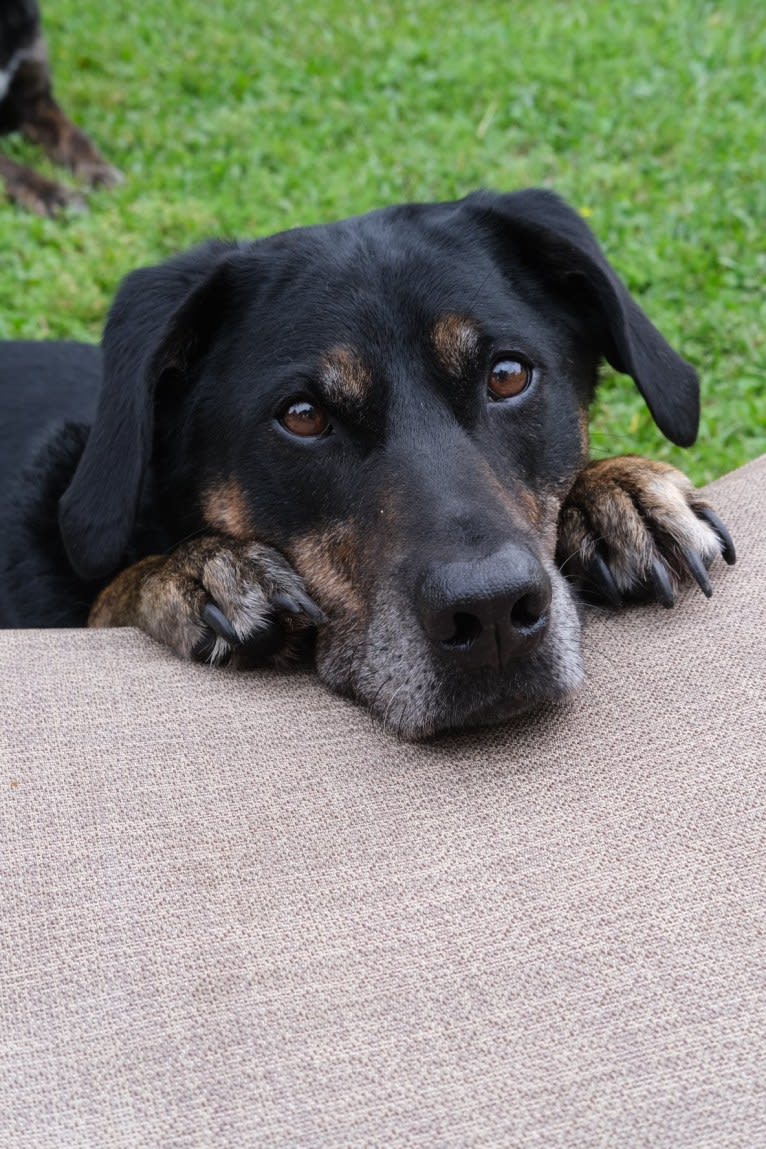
<point x="554" y="241"/>
<point x="159" y="325"/>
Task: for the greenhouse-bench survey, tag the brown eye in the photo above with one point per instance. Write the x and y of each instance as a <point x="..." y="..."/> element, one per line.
<point x="509" y="377"/>
<point x="305" y="419"/>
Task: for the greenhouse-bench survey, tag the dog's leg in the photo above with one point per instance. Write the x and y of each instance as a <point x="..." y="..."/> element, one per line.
<point x="632" y="528"/>
<point x="215" y="600"/>
<point x="43" y="122"/>
<point x="33" y="192"/>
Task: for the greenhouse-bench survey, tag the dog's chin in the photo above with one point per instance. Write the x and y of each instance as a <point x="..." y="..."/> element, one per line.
<point x="421" y="719"/>
<point x="415" y="695"/>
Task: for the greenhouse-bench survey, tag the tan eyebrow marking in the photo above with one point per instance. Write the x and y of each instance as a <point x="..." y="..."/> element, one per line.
<point x="344" y="375"/>
<point x="224" y="507"/>
<point x="456" y="342"/>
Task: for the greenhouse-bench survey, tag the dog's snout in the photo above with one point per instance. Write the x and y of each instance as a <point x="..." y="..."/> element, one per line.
<point x="486" y="612"/>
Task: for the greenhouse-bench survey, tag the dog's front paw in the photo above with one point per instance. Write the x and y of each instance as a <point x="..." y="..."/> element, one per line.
<point x="632" y="528"/>
<point x="93" y="169"/>
<point x="42" y="196"/>
<point x="214" y="600"/>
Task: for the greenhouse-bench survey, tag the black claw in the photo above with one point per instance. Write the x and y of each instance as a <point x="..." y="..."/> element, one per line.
<point x="218" y="622"/>
<point x="727" y="543"/>
<point x="603" y="579"/>
<point x="299" y="603"/>
<point x="286" y="602"/>
<point x="663" y="589"/>
<point x="696" y="569"/>
<point x="310" y="608"/>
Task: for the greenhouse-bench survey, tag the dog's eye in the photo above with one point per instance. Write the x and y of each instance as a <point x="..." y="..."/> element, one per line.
<point x="508" y="378"/>
<point x="305" y="419"/>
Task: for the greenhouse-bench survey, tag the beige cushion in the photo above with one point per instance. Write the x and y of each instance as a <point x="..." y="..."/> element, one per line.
<point x="235" y="913"/>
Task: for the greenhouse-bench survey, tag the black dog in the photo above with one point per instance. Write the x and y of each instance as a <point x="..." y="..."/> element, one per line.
<point x="371" y="434"/>
<point x="27" y="106"/>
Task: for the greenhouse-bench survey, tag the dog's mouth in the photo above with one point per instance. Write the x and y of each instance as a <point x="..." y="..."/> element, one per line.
<point x="389" y="668"/>
<point x="411" y="714"/>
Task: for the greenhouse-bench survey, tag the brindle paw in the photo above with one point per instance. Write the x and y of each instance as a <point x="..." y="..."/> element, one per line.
<point x="635" y="529"/>
<point x="214" y="600"/>
<point x="42" y="196"/>
<point x="246" y="604"/>
<point x="97" y="173"/>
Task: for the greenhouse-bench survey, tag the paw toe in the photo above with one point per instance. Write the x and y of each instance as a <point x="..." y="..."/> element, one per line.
<point x="720" y="530"/>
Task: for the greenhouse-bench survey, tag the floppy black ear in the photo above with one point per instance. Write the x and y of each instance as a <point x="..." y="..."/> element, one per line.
<point x="554" y="240"/>
<point x="160" y="319"/>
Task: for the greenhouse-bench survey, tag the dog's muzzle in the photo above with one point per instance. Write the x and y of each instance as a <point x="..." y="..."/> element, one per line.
<point x="469" y="640"/>
<point x="485" y="612"/>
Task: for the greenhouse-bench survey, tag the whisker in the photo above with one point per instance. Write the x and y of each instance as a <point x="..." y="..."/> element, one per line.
<point x="370" y="707"/>
<point x="598" y="539"/>
<point x="391" y="701"/>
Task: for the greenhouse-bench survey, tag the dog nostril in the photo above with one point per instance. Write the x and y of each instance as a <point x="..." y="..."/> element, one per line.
<point x="527" y="613"/>
<point x="485" y="612"/>
<point x="467" y="630"/>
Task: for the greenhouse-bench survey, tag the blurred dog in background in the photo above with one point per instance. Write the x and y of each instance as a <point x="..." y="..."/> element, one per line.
<point x="27" y="106"/>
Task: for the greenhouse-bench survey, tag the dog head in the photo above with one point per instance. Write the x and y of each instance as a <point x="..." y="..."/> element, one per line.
<point x="398" y="403"/>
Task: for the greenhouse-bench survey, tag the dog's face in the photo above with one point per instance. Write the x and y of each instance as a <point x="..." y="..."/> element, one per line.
<point x="397" y="403"/>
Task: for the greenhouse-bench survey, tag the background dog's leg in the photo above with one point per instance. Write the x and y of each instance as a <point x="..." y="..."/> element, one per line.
<point x="35" y="193"/>
<point x="42" y="121"/>
<point x="633" y="528"/>
<point x="213" y="599"/>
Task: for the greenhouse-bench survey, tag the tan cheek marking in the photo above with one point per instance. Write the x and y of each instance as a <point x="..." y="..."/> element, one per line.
<point x="519" y="502"/>
<point x="344" y="375"/>
<point x="329" y="562"/>
<point x="538" y="510"/>
<point x="224" y="508"/>
<point x="456" y="342"/>
<point x="550" y="505"/>
<point x="542" y="512"/>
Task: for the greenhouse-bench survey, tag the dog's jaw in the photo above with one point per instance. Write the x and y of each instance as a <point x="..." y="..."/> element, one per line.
<point x="391" y="670"/>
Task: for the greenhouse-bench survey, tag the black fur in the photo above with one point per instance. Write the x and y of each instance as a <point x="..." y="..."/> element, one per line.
<point x="202" y="352"/>
<point x="557" y="242"/>
<point x="159" y="324"/>
<point x="19" y="26"/>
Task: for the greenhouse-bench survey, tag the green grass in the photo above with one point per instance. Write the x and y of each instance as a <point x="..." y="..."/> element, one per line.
<point x="239" y="119"/>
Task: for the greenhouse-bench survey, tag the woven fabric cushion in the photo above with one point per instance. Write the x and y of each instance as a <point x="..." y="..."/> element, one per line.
<point x="234" y="912"/>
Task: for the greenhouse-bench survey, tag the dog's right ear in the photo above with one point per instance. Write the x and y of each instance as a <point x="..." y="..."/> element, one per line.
<point x="557" y="244"/>
<point x="161" y="320"/>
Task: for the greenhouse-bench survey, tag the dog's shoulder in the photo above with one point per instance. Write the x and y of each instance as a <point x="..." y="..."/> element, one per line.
<point x="37" y="586"/>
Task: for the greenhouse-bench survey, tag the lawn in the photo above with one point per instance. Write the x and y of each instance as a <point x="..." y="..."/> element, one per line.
<point x="238" y="119"/>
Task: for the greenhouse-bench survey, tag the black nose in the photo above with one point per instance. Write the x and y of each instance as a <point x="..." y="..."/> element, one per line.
<point x="488" y="611"/>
